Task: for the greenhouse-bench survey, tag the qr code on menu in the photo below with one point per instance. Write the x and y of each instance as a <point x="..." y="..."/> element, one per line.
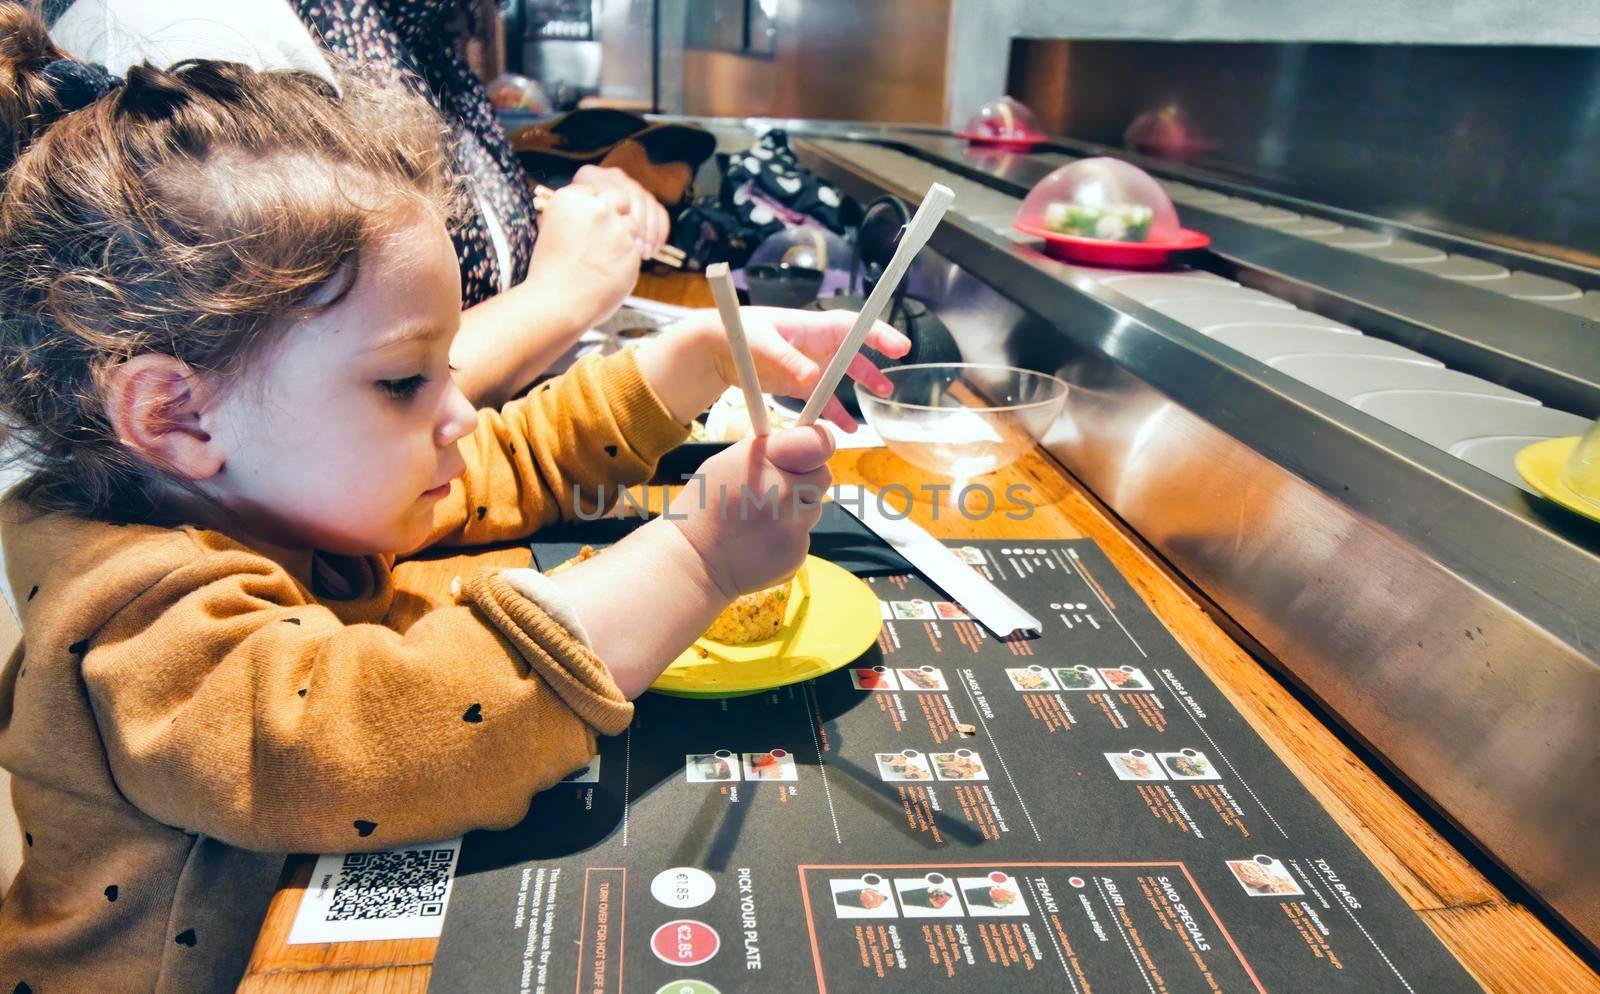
<point x="394" y="894"/>
<point x="392" y="884"/>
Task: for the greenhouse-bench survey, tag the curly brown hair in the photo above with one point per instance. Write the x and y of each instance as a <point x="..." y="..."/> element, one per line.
<point x="193" y="211"/>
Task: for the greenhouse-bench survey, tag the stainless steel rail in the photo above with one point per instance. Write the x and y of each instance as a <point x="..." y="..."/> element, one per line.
<point x="1438" y="612"/>
<point x="1532" y="346"/>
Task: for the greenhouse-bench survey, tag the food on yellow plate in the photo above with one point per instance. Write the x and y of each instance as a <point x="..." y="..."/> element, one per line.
<point x="584" y="554"/>
<point x="752" y="617"/>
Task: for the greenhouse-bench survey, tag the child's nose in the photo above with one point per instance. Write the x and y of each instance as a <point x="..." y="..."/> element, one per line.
<point x="458" y="419"/>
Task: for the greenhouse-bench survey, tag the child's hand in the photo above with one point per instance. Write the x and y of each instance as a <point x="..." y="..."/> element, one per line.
<point x="690" y="365"/>
<point x="751" y="515"/>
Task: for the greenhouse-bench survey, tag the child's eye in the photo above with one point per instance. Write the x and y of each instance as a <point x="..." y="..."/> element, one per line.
<point x="403" y="389"/>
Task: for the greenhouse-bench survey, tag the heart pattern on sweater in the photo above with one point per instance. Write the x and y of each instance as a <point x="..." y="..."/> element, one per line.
<point x="111" y="893"/>
<point x="365" y="828"/>
<point x="185" y="938"/>
<point x="474" y="714"/>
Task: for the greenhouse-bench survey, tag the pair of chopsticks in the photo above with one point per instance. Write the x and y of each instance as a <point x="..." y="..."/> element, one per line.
<point x="666" y="255"/>
<point x="934" y="203"/>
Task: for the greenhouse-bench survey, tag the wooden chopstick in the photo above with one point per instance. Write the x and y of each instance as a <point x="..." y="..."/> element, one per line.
<point x="934" y="203"/>
<point x="667" y="255"/>
<point x="744" y="361"/>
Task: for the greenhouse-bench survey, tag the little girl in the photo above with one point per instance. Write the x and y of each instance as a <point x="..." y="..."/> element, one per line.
<point x="228" y="302"/>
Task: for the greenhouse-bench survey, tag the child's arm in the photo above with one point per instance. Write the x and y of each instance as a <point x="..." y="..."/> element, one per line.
<point x="572" y="443"/>
<point x="229" y="706"/>
<point x="567" y="446"/>
<point x="647" y="598"/>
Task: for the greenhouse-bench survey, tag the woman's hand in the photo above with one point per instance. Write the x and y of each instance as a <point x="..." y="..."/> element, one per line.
<point x="690" y="364"/>
<point x="588" y="251"/>
<point x="651" y="225"/>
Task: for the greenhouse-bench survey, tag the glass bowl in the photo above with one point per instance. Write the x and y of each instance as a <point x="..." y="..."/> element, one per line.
<point x="963" y="419"/>
<point x="1581" y="472"/>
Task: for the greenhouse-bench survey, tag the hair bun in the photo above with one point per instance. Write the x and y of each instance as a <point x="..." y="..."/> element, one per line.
<point x="152" y="93"/>
<point x="78" y="84"/>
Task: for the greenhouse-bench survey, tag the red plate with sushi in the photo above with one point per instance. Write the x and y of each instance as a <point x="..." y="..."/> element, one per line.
<point x="1105" y="252"/>
<point x="1005" y="143"/>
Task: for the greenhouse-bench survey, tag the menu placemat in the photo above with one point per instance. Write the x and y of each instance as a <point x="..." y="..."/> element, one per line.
<point x="1081" y="812"/>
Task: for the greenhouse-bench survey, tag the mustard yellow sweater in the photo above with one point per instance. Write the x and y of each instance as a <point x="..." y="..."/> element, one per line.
<point x="184" y="710"/>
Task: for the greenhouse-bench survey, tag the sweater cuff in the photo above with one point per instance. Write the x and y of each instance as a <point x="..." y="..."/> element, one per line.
<point x="543" y="591"/>
<point x="641" y="417"/>
<point x="576" y="674"/>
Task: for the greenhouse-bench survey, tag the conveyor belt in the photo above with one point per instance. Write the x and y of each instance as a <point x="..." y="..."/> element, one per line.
<point x="1466" y="416"/>
<point x="1520" y="320"/>
<point x="1460" y="267"/>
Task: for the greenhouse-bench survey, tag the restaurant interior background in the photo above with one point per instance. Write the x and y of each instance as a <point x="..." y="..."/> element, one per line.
<point x="1436" y="614"/>
<point x="1307" y="98"/>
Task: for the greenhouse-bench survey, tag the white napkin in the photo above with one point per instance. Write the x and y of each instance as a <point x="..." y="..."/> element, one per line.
<point x="960" y="582"/>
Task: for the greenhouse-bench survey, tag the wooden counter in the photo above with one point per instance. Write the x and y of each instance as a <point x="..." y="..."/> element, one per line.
<point x="1501" y="942"/>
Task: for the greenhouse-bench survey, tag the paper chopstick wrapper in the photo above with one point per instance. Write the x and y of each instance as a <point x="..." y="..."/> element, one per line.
<point x="960" y="582"/>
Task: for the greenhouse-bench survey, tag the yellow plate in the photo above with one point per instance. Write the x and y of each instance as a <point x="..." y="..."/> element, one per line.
<point x="832" y="619"/>
<point x="1540" y="464"/>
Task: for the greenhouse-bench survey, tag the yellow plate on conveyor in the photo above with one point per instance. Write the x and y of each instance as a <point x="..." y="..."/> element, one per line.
<point x="1541" y="463"/>
<point x="830" y="621"/>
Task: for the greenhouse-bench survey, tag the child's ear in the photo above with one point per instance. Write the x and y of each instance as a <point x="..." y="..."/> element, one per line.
<point x="155" y="404"/>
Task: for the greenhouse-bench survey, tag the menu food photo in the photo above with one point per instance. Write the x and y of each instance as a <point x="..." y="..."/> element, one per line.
<point x="1079" y="811"/>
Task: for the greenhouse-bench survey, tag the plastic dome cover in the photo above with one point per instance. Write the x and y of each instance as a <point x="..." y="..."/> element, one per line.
<point x="1169" y="133"/>
<point x="1003" y="119"/>
<point x="805" y="246"/>
<point x="1101" y="198"/>
<point x="800" y="250"/>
